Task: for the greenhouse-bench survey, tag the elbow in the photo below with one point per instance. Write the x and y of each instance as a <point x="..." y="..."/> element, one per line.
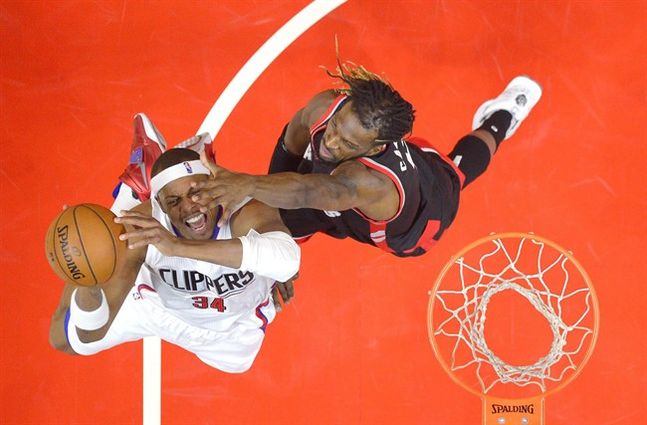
<point x="286" y="258"/>
<point x="272" y="254"/>
<point x="58" y="338"/>
<point x="291" y="260"/>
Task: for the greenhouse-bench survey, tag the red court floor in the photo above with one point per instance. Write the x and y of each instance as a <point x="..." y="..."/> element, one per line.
<point x="352" y="348"/>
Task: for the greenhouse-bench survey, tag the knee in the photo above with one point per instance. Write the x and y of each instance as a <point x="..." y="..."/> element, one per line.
<point x="67" y="338"/>
<point x="472" y="156"/>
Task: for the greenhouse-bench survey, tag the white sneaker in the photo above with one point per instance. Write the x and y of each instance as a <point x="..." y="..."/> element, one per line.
<point x="199" y="143"/>
<point x="518" y="98"/>
<point x="195" y="143"/>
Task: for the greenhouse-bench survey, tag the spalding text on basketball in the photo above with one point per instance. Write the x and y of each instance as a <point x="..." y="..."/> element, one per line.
<point x="67" y="256"/>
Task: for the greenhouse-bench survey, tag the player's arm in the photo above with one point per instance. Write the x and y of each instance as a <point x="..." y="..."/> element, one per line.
<point x="90" y="299"/>
<point x="146" y="230"/>
<point x="351" y="185"/>
<point x="261" y="244"/>
<point x="241" y="253"/>
<point x="276" y="254"/>
<point x="268" y="247"/>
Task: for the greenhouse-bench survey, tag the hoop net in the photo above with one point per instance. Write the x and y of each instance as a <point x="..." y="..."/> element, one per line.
<point x="539" y="307"/>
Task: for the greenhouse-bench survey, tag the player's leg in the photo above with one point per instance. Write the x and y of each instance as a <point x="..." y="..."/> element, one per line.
<point x="495" y="120"/>
<point x="147" y="145"/>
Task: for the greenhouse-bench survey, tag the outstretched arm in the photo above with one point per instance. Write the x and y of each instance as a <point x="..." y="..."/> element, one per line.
<point x="89" y="299"/>
<point x="351" y="185"/>
<point x="257" y="231"/>
<point x="146" y="230"/>
<point x="284" y="252"/>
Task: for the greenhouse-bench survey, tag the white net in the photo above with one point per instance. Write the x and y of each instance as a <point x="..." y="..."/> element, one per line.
<point x="547" y="279"/>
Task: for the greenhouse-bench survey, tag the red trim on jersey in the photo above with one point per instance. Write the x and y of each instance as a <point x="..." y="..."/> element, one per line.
<point x="328" y="114"/>
<point x="398" y="185"/>
<point x="427" y="240"/>
<point x="378" y="236"/>
<point x="303" y="239"/>
<point x="146" y="287"/>
<point x="427" y="147"/>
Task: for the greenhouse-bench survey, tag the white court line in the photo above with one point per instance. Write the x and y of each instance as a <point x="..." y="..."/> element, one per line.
<point x="152" y="367"/>
<point x="213" y="122"/>
<point x="263" y="57"/>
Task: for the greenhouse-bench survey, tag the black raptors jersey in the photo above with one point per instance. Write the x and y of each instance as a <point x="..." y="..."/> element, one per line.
<point x="428" y="184"/>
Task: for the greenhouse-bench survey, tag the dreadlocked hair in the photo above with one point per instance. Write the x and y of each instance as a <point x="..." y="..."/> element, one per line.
<point x="377" y="104"/>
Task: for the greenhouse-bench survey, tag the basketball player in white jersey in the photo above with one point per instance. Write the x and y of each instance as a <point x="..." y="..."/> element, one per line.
<point x="202" y="287"/>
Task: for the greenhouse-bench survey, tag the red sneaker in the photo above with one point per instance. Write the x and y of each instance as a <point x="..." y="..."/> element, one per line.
<point x="148" y="144"/>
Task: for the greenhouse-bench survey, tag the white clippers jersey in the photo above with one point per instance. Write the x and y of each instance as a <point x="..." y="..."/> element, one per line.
<point x="204" y="294"/>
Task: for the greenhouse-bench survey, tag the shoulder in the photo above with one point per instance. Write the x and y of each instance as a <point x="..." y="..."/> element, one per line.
<point x="317" y="106"/>
<point x="375" y="194"/>
<point x="258" y="216"/>
<point x="356" y="173"/>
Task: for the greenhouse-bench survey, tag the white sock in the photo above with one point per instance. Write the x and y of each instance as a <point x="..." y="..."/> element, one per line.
<point x="124" y="200"/>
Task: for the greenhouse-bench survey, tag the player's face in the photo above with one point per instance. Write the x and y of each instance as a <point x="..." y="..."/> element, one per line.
<point x="185" y="214"/>
<point x="345" y="138"/>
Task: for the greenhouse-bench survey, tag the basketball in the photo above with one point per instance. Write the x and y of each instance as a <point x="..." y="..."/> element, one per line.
<point x="82" y="244"/>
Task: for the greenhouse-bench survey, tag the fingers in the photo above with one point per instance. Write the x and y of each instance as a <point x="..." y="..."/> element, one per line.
<point x="275" y="299"/>
<point x="150" y="240"/>
<point x="289" y="289"/>
<point x="208" y="162"/>
<point x="207" y="192"/>
<point x="145" y="229"/>
<point x="285" y="290"/>
<point x="280" y="292"/>
<point x="213" y="204"/>
<point x="137" y="219"/>
<point x="143" y="237"/>
<point x="226" y="213"/>
<point x="131" y="213"/>
<point x="199" y="185"/>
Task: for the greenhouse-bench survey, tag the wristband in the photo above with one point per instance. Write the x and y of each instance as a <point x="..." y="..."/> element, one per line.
<point x="89" y="320"/>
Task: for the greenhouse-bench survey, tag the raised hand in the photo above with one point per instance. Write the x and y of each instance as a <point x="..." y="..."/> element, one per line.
<point x="146" y="230"/>
<point x="224" y="188"/>
<point x="285" y="290"/>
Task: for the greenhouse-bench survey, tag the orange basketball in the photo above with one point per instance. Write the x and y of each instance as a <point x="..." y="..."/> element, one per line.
<point x="82" y="244"/>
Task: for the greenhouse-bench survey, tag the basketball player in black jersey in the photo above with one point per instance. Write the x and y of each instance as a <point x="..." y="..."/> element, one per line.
<point x="346" y="166"/>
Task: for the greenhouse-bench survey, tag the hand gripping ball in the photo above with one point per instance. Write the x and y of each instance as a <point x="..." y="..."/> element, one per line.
<point x="82" y="244"/>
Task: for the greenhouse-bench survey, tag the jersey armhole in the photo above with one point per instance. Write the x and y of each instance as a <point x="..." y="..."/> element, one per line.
<point x="328" y="114"/>
<point x="396" y="181"/>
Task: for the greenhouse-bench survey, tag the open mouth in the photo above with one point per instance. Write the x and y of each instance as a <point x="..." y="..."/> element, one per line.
<point x="197" y="222"/>
<point x="324" y="153"/>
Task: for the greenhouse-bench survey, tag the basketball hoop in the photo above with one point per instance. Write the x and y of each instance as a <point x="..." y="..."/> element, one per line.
<point x="524" y="354"/>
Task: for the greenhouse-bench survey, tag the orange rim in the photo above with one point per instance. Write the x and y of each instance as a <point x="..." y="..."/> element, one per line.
<point x="510" y="235"/>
